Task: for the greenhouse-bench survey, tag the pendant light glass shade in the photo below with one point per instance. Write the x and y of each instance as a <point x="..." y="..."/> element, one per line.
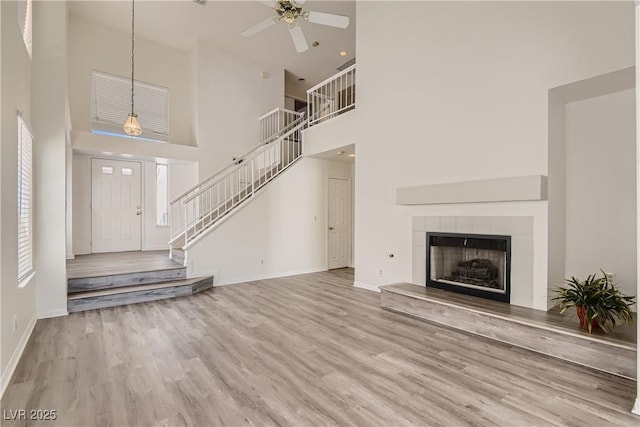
<point x="131" y="126"/>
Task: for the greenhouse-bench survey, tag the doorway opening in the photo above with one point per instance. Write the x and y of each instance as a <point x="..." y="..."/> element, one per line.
<point x="339" y="219"/>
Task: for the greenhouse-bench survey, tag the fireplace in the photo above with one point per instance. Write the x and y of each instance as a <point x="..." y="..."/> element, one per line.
<point x="472" y="264"/>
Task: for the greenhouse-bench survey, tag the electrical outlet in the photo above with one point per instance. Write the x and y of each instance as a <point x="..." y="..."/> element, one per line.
<point x="611" y="277"/>
<point x="15" y="322"/>
<point x="381" y="272"/>
<point x="261" y="262"/>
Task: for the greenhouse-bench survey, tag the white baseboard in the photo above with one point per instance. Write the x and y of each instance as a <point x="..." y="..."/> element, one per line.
<point x="636" y="406"/>
<point x="15" y="357"/>
<point x="155" y="248"/>
<point x="53" y="313"/>
<point x="366" y="286"/>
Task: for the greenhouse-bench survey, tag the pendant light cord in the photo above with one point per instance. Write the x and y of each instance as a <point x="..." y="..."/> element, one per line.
<point x="133" y="17"/>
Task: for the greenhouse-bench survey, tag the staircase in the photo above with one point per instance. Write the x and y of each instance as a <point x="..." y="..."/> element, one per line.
<point x="200" y="209"/>
<point x="197" y="211"/>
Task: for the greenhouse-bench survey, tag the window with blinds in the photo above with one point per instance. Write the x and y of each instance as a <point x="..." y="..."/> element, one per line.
<point x="111" y="105"/>
<point x="25" y="201"/>
<point x="25" y="8"/>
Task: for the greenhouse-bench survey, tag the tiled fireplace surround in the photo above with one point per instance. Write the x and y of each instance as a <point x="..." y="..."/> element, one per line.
<point x="520" y="228"/>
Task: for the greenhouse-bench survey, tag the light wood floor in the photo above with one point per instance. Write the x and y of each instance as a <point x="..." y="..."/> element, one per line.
<point x="303" y="350"/>
<point x="119" y="263"/>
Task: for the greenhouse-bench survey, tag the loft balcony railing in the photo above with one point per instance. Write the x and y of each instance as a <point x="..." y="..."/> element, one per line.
<point x="332" y="97"/>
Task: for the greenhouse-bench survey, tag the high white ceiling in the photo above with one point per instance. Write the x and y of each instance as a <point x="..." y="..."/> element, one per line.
<point x="180" y="23"/>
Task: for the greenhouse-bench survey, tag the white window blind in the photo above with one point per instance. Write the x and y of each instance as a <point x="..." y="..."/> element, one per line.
<point x="25" y="201"/>
<point x="25" y="8"/>
<point x="111" y="105"/>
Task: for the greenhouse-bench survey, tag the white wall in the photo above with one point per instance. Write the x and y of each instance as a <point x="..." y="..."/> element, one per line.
<point x="182" y="176"/>
<point x="459" y="91"/>
<point x="96" y="47"/>
<point x="337" y="132"/>
<point x="280" y="232"/>
<point x="601" y="188"/>
<point x="15" y="79"/>
<point x="231" y="94"/>
<point x="636" y="407"/>
<point x="49" y="100"/>
<point x="556" y="192"/>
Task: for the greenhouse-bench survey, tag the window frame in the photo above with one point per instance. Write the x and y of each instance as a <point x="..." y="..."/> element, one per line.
<point x="111" y="105"/>
<point x="166" y="195"/>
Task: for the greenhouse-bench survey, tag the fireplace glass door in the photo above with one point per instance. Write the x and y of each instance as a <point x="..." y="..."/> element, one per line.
<point x="469" y="263"/>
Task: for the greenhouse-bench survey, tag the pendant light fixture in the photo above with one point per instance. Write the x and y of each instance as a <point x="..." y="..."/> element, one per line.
<point x="131" y="126"/>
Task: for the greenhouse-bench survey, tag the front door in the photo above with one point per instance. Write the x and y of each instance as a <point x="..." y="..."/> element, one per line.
<point x="339" y="240"/>
<point x="115" y="206"/>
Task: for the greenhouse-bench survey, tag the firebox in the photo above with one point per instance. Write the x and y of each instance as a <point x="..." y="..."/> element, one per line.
<point x="472" y="264"/>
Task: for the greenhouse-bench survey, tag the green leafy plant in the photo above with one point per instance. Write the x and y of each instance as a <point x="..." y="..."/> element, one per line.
<point x="597" y="300"/>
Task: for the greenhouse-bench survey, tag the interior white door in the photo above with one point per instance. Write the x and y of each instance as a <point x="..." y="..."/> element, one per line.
<point x="339" y="241"/>
<point x="116" y="214"/>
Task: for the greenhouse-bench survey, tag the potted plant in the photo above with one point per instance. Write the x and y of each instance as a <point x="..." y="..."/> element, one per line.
<point x="597" y="300"/>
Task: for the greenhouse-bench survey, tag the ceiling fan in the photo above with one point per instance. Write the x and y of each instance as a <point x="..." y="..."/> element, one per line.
<point x="291" y="12"/>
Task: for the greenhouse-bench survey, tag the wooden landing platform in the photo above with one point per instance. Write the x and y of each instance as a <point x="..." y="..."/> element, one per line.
<point x="545" y="332"/>
<point x="119" y="263"/>
<point x="111" y="279"/>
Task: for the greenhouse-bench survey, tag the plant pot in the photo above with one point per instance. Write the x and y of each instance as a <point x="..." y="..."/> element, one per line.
<point x="582" y="315"/>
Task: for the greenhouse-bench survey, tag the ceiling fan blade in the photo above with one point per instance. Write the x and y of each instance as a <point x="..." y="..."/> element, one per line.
<point x="258" y="27"/>
<point x="329" y="19"/>
<point x="298" y="38"/>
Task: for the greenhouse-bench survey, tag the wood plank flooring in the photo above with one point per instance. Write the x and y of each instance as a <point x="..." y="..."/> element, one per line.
<point x="119" y="263"/>
<point x="301" y="350"/>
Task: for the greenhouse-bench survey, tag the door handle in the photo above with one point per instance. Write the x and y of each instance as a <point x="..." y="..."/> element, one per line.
<point x="331" y="228"/>
<point x="138" y="212"/>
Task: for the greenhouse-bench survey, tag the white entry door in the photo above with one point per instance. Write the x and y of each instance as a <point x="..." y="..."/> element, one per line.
<point x="115" y="206"/>
<point x="339" y="240"/>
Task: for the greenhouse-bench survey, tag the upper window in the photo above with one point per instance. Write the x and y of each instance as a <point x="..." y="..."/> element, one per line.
<point x="25" y="9"/>
<point x="111" y="105"/>
<point x="25" y="201"/>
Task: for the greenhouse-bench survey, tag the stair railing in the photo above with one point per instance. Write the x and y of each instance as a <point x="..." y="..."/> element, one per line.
<point x="215" y="198"/>
<point x="275" y="122"/>
<point x="272" y="125"/>
<point x="332" y="97"/>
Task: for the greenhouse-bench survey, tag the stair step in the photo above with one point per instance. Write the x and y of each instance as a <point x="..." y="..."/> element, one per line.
<point x="82" y="284"/>
<point x="104" y="298"/>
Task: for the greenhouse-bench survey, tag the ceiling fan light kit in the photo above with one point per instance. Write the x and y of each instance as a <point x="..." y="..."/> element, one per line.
<point x="289" y="11"/>
<point x="292" y="13"/>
